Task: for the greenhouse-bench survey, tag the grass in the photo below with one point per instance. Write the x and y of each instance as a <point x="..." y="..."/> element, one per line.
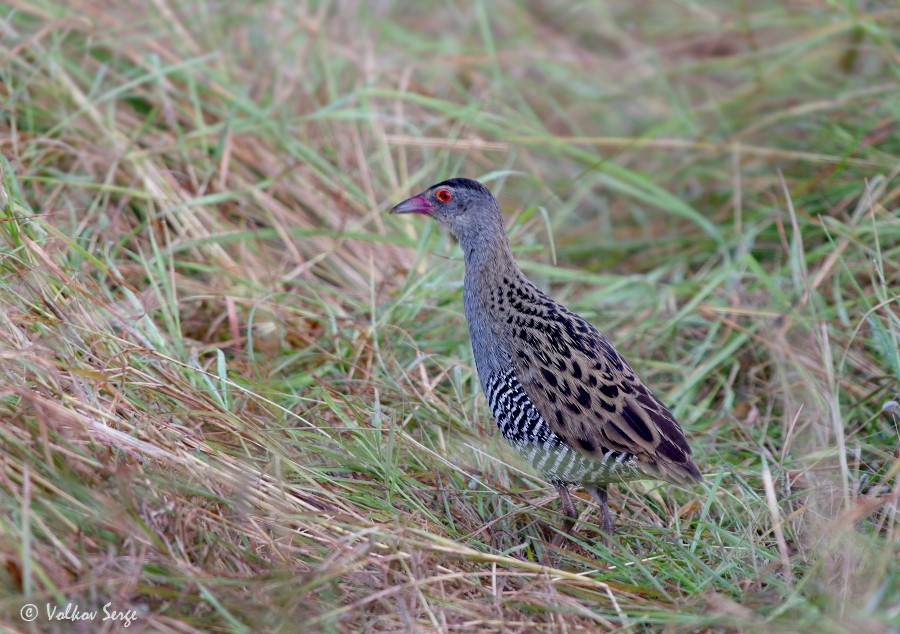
<point x="236" y="396"/>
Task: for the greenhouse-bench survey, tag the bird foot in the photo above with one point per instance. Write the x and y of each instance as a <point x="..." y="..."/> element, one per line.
<point x="606" y="525"/>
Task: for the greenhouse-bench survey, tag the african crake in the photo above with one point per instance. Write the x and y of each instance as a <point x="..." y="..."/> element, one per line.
<point x="560" y="392"/>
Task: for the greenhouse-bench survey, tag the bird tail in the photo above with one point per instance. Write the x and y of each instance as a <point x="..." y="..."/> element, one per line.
<point x="675" y="472"/>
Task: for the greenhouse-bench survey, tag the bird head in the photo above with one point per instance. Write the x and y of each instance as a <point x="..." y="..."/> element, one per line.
<point x="464" y="206"/>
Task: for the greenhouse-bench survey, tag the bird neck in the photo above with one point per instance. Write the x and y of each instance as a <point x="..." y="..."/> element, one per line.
<point x="489" y="259"/>
<point x="490" y="271"/>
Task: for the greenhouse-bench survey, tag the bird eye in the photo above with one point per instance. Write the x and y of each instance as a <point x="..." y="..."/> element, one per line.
<point x="443" y="195"/>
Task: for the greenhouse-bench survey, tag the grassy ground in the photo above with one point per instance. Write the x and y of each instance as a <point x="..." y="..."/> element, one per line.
<point x="238" y="397"/>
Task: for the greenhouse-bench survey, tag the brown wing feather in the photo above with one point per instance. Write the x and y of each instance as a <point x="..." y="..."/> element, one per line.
<point x="588" y="393"/>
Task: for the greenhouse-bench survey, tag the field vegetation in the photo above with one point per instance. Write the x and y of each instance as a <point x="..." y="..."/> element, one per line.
<point x="237" y="396"/>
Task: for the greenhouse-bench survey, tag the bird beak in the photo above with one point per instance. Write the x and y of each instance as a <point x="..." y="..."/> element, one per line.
<point x="414" y="205"/>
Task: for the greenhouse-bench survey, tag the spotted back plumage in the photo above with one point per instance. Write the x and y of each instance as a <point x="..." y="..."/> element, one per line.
<point x="589" y="396"/>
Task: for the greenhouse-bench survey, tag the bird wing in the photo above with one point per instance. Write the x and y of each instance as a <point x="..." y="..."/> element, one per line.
<point x="589" y="395"/>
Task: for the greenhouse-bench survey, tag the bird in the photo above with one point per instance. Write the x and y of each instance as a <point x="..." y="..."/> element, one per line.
<point x="559" y="391"/>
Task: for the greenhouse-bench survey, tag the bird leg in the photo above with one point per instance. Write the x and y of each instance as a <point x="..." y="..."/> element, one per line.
<point x="568" y="507"/>
<point x="606" y="521"/>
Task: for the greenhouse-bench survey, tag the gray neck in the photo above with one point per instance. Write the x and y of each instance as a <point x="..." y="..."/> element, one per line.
<point x="490" y="267"/>
<point x="485" y="245"/>
<point x="489" y="261"/>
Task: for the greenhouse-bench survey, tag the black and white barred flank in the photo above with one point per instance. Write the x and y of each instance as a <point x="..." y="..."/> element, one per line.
<point x="522" y="427"/>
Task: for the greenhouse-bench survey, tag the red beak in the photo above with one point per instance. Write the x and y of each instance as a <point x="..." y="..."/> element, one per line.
<point x="414" y="205"/>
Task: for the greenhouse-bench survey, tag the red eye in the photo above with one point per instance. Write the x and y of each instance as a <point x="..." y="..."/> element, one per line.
<point x="443" y="195"/>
